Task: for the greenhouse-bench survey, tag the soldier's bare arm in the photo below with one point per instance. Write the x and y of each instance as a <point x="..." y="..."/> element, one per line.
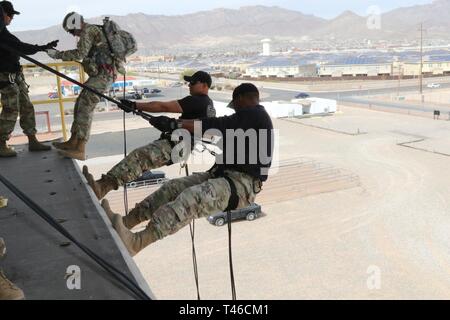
<point x="160" y="107"/>
<point x="221" y="124"/>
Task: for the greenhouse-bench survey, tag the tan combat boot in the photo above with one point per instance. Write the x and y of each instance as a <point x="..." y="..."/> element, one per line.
<point x="9" y="291"/>
<point x="100" y="187"/>
<point x="70" y="144"/>
<point x="134" y="242"/>
<point x="79" y="152"/>
<point x="6" y="151"/>
<point x="132" y="220"/>
<point x="35" y="146"/>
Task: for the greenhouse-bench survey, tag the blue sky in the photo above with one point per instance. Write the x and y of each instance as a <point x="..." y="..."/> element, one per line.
<point x="44" y="13"/>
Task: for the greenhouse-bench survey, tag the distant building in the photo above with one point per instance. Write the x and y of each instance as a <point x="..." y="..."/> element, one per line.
<point x="232" y="67"/>
<point x="434" y="65"/>
<point x="266" y="47"/>
<point x="281" y="68"/>
<point x="148" y="59"/>
<point x="355" y="67"/>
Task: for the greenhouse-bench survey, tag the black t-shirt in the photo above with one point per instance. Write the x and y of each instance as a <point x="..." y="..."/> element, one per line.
<point x="257" y="132"/>
<point x="197" y="107"/>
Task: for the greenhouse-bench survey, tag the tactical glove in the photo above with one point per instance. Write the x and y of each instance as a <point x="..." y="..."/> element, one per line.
<point x="164" y="124"/>
<point x="128" y="106"/>
<point x="52" y="45"/>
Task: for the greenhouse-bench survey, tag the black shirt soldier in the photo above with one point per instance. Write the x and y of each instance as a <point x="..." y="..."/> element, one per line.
<point x="232" y="183"/>
<point x="158" y="153"/>
<point x="2" y="22"/>
<point x="13" y="88"/>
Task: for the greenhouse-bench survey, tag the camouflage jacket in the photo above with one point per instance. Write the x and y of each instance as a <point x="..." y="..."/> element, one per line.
<point x="92" y="51"/>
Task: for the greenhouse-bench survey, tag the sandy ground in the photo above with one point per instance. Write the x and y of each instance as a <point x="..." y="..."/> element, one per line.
<point x="384" y="237"/>
<point x="435" y="97"/>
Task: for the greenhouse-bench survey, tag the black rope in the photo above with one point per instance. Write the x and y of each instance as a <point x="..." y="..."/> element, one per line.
<point x="125" y="151"/>
<point x="118" y="275"/>
<point x="230" y="254"/>
<point x="194" y="253"/>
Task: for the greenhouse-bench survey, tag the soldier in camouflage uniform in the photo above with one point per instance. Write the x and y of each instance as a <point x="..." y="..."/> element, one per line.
<point x="158" y="153"/>
<point x="226" y="186"/>
<point x="95" y="55"/>
<point x="8" y="290"/>
<point x="13" y="88"/>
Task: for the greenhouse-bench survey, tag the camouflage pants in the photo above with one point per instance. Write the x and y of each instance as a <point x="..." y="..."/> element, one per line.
<point x="15" y="102"/>
<point x="179" y="201"/>
<point x="86" y="103"/>
<point x="155" y="155"/>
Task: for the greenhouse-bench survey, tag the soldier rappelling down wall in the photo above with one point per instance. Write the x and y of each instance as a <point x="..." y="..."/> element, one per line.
<point x="13" y="88"/>
<point x="232" y="183"/>
<point x="158" y="153"/>
<point x="97" y="53"/>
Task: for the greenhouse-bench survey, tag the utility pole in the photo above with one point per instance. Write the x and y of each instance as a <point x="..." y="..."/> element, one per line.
<point x="421" y="59"/>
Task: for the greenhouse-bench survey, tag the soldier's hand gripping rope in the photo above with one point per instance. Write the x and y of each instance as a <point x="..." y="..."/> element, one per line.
<point x="164" y="124"/>
<point x="128" y="106"/>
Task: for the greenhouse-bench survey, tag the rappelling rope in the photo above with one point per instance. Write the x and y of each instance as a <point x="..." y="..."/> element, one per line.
<point x="125" y="151"/>
<point x="194" y="254"/>
<point x="230" y="256"/>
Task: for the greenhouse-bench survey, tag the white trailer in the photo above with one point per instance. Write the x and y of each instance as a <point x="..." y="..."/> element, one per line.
<point x="317" y="105"/>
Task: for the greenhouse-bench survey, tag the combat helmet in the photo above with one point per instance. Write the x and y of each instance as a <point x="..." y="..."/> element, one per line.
<point x="73" y="21"/>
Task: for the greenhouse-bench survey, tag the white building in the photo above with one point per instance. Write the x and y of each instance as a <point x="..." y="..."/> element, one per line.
<point x="281" y="68"/>
<point x="432" y="66"/>
<point x="355" y="67"/>
<point x="266" y="47"/>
